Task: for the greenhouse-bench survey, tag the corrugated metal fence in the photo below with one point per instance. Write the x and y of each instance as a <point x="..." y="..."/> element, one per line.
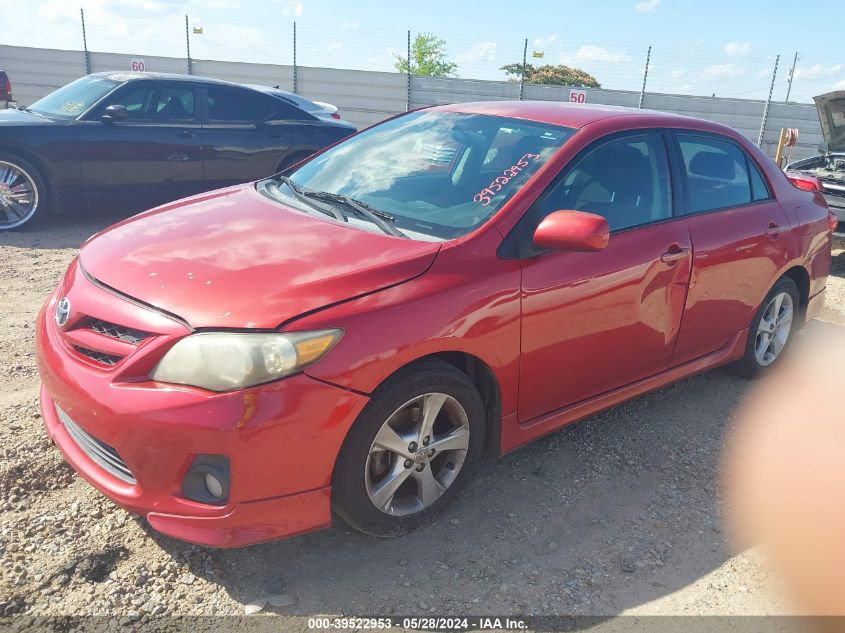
<point x="366" y="97"/>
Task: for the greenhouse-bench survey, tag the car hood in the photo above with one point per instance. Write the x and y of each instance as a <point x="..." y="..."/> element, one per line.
<point x="831" y="108"/>
<point x="13" y="117"/>
<point x="235" y="259"/>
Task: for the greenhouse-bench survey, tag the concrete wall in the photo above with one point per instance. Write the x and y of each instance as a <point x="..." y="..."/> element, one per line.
<point x="365" y="97"/>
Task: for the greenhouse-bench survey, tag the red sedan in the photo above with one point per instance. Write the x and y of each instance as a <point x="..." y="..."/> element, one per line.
<point x="353" y="334"/>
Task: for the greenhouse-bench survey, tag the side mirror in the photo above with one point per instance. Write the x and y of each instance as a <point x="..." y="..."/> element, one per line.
<point x="114" y="113"/>
<point x="572" y="231"/>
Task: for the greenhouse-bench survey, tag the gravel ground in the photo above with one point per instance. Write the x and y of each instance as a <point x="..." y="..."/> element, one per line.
<point x="618" y="514"/>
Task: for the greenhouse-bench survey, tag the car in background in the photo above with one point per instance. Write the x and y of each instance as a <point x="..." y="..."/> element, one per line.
<point x="6" y="100"/>
<point x="317" y="108"/>
<point x="827" y="171"/>
<point x="130" y="141"/>
<point x="348" y="338"/>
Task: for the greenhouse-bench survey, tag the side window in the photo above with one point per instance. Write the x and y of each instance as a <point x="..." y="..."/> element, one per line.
<point x="759" y="190"/>
<point x="174" y="104"/>
<point x="717" y="173"/>
<point x="626" y="180"/>
<point x="135" y="101"/>
<point x="151" y="104"/>
<point x="234" y="106"/>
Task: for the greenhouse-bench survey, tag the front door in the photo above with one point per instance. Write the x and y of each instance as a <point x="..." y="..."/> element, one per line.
<point x="593" y="322"/>
<point x="152" y="157"/>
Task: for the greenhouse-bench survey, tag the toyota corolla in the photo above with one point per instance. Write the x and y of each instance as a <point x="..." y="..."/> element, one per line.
<point x="350" y="336"/>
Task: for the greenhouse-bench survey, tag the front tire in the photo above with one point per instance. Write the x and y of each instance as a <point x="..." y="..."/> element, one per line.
<point x="410" y="452"/>
<point x="23" y="193"/>
<point x="771" y="331"/>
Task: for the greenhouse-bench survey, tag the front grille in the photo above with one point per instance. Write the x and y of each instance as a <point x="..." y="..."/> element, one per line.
<point x="98" y="357"/>
<point x="120" y="332"/>
<point x="100" y="453"/>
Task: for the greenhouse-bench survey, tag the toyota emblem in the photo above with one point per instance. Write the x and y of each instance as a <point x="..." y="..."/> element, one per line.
<point x="62" y="312"/>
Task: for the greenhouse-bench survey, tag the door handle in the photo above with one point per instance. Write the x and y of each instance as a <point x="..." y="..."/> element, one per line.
<point x="674" y="254"/>
<point x="186" y="133"/>
<point x="774" y="229"/>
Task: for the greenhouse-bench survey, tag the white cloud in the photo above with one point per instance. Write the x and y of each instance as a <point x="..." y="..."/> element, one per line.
<point x="293" y="8"/>
<point x="736" y="49"/>
<point x="839" y="85"/>
<point x="334" y="46"/>
<point x="545" y="41"/>
<point x="817" y="70"/>
<point x="480" y="52"/>
<point x="646" y="5"/>
<point x="592" y="53"/>
<point x="723" y="70"/>
<point x="677" y="74"/>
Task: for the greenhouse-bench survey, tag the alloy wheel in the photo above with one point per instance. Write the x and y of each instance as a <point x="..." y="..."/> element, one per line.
<point x="417" y="454"/>
<point x="18" y="196"/>
<point x="774" y="329"/>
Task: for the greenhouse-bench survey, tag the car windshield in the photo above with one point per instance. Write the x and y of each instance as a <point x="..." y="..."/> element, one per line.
<point x="75" y="98"/>
<point x="434" y="175"/>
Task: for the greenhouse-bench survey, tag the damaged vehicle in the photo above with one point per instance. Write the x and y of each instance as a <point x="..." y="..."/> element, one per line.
<point x="829" y="167"/>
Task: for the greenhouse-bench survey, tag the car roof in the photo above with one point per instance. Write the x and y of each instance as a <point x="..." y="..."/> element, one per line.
<point x="574" y="115"/>
<point x="124" y="76"/>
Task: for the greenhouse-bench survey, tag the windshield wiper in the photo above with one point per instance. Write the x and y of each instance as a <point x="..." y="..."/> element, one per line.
<point x="376" y="216"/>
<point x="301" y="196"/>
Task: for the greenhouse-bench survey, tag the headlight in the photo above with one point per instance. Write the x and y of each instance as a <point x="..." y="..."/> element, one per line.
<point x="223" y="361"/>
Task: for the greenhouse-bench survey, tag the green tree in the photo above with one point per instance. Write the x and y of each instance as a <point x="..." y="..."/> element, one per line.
<point x="559" y="75"/>
<point x="428" y="58"/>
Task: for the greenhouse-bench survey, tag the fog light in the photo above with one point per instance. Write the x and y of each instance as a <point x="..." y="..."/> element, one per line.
<point x="207" y="480"/>
<point x="213" y="485"/>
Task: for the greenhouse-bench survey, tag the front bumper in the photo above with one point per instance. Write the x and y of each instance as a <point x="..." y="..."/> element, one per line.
<point x="281" y="438"/>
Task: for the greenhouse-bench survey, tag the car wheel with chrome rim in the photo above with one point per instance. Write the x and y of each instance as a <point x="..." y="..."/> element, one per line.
<point x="23" y="194"/>
<point x="410" y="451"/>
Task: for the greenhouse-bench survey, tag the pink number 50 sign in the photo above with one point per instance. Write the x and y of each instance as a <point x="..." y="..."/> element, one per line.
<point x="577" y="96"/>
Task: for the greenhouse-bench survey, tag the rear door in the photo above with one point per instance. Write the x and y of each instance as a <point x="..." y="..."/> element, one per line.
<point x="593" y="322"/>
<point x="152" y="157"/>
<point x="739" y="234"/>
<point x="245" y="134"/>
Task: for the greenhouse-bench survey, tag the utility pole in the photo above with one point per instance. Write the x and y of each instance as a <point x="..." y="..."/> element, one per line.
<point x="408" y="82"/>
<point x="791" y="75"/>
<point x="85" y="43"/>
<point x="524" y="66"/>
<point x="295" y="72"/>
<point x="188" y="46"/>
<point x="768" y="103"/>
<point x="645" y="78"/>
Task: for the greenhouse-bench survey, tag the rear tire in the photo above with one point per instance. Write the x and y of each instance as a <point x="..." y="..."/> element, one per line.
<point x="771" y="331"/>
<point x="23" y="193"/>
<point x="410" y="452"/>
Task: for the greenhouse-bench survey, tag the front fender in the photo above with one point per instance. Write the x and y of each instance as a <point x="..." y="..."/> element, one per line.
<point x="468" y="302"/>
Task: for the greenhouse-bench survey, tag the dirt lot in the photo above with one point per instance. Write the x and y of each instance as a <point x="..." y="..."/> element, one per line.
<point x="618" y="514"/>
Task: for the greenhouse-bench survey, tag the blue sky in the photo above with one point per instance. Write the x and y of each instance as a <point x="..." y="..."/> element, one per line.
<point x="721" y="47"/>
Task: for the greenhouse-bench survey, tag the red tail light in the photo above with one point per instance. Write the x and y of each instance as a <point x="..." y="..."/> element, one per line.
<point x="832" y="221"/>
<point x="803" y="181"/>
<point x="336" y="116"/>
